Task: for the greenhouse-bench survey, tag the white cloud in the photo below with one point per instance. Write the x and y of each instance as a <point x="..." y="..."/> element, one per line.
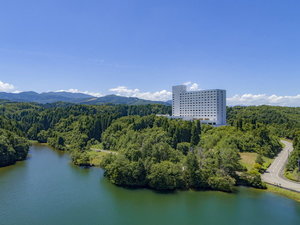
<point x="6" y="87"/>
<point x="192" y="86"/>
<point x="124" y="90"/>
<point x="263" y="99"/>
<point x="95" y="94"/>
<point x="162" y="95"/>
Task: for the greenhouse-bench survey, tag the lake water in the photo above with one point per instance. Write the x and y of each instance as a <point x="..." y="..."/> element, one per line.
<point x="48" y="189"/>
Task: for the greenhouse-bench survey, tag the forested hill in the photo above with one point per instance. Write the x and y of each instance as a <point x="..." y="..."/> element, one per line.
<point x="78" y="98"/>
<point x="47" y="97"/>
<point x="13" y="144"/>
<point x="59" y="124"/>
<point x="115" y="99"/>
<point x="283" y="121"/>
<point x="151" y="151"/>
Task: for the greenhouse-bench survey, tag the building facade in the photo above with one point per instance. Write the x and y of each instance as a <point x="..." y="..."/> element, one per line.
<point x="209" y="106"/>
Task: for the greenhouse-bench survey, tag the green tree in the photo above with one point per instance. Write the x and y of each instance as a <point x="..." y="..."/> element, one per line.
<point x="12" y="148"/>
<point x="184" y="147"/>
<point x="259" y="159"/>
<point x="195" y="134"/>
<point x="125" y="173"/>
<point x="165" y="176"/>
<point x="222" y="183"/>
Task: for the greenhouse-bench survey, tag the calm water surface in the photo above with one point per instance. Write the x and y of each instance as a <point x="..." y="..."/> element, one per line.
<point x="47" y="189"/>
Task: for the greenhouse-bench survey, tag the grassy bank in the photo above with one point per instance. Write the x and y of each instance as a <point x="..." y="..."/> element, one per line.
<point x="289" y="194"/>
<point x="294" y="176"/>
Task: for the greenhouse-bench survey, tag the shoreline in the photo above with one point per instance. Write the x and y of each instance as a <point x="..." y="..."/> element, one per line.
<point x="270" y="188"/>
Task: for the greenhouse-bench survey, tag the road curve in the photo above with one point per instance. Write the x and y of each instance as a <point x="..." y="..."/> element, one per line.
<point x="274" y="174"/>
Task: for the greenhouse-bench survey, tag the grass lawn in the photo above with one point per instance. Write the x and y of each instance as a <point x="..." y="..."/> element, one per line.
<point x="295" y="175"/>
<point x="33" y="142"/>
<point x="248" y="160"/>
<point x="96" y="157"/>
<point x="98" y="146"/>
<point x="284" y="192"/>
<point x="96" y="154"/>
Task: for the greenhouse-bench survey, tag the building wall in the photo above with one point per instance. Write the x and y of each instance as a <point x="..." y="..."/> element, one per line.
<point x="207" y="105"/>
<point x="176" y="92"/>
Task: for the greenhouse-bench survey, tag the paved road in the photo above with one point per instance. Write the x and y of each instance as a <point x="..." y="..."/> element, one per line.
<point x="274" y="174"/>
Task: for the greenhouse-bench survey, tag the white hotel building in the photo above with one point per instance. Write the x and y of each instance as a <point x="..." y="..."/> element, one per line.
<point x="209" y="106"/>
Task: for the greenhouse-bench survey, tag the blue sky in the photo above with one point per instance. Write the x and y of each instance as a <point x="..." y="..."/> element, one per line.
<point x="116" y="46"/>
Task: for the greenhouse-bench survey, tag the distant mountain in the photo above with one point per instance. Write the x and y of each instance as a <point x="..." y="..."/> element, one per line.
<point x="78" y="98"/>
<point x="47" y="97"/>
<point x="67" y="95"/>
<point x="115" y="99"/>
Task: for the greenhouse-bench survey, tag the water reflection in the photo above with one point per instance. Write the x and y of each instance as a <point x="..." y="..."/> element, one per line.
<point x="50" y="190"/>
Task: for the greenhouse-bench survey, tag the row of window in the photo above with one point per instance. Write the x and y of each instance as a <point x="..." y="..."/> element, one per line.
<point x="198" y="115"/>
<point x="197" y="105"/>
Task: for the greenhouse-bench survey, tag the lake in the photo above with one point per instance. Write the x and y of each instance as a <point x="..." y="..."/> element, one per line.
<point x="48" y="189"/>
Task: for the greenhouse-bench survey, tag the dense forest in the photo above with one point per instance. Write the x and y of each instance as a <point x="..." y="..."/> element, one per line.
<point x="138" y="149"/>
<point x="62" y="125"/>
<point x="281" y="121"/>
<point x="293" y="166"/>
<point x="12" y="148"/>
<point x="169" y="154"/>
